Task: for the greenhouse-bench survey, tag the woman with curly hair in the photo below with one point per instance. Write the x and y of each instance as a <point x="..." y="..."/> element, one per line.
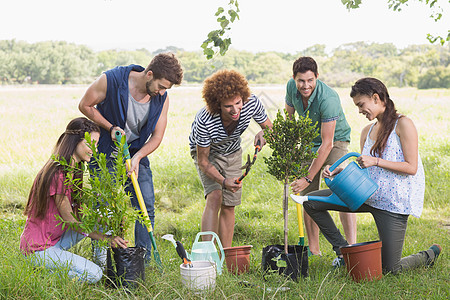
<point x="44" y="241"/>
<point x="215" y="146"/>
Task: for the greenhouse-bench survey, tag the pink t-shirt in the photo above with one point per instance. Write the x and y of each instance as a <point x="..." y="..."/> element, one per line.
<point x="40" y="234"/>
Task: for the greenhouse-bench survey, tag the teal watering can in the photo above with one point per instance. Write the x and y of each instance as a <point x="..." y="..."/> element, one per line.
<point x="207" y="251"/>
<point x="351" y="187"/>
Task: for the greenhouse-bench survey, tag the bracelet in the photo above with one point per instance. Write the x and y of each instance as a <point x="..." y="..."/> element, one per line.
<point x="378" y="159"/>
<point x="307" y="179"/>
<point x="111" y="128"/>
<point x="223" y="183"/>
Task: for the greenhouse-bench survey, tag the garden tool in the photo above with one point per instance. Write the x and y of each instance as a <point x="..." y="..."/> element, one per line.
<point x="140" y="199"/>
<point x="249" y="162"/>
<point x="351" y="187"/>
<point x="180" y="249"/>
<point x="301" y="234"/>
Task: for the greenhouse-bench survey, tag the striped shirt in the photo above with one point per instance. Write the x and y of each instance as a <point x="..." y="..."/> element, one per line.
<point x="207" y="129"/>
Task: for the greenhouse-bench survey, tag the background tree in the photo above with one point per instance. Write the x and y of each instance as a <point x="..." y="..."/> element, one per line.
<point x="66" y="63"/>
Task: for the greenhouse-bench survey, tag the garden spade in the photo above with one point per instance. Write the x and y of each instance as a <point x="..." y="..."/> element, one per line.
<point x="301" y="234"/>
<point x="137" y="189"/>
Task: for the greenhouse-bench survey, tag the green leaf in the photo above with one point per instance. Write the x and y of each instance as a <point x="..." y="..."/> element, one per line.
<point x="291" y="142"/>
<point x="219" y="11"/>
<point x="233" y="15"/>
<point x="215" y="36"/>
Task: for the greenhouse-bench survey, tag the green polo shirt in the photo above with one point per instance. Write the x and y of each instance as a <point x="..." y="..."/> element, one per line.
<point x="324" y="105"/>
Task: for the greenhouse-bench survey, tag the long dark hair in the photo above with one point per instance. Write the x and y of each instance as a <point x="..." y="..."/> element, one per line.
<point x="65" y="147"/>
<point x="369" y="86"/>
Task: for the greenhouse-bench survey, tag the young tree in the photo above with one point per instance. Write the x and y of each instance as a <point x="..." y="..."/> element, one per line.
<point x="103" y="201"/>
<point x="291" y="141"/>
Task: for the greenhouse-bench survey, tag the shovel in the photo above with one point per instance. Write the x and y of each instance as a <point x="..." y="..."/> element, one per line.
<point x="301" y="234"/>
<point x="137" y="189"/>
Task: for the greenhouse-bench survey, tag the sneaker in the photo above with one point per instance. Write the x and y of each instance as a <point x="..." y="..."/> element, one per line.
<point x="437" y="250"/>
<point x="338" y="262"/>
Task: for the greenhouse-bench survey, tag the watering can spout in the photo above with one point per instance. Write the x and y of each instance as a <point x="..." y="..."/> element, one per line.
<point x="332" y="199"/>
<point x="299" y="199"/>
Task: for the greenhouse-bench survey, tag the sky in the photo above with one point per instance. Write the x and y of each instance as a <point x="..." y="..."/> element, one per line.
<point x="282" y="25"/>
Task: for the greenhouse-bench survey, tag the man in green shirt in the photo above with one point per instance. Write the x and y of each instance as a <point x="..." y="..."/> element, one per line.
<point x="305" y="94"/>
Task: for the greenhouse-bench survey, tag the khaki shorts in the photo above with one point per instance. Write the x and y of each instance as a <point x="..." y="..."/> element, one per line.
<point x="339" y="149"/>
<point x="229" y="167"/>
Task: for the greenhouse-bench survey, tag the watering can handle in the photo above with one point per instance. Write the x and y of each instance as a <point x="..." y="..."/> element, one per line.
<point x="219" y="243"/>
<point x="341" y="160"/>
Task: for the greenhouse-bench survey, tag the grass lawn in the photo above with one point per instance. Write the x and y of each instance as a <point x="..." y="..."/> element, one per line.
<point x="34" y="117"/>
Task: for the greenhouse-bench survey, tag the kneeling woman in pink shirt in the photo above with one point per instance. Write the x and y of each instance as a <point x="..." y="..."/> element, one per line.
<point x="43" y="241"/>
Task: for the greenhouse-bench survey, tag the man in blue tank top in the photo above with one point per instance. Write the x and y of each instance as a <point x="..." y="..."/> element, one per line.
<point x="134" y="101"/>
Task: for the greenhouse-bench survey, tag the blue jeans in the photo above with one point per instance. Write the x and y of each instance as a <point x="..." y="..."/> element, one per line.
<point x="57" y="257"/>
<point x="141" y="234"/>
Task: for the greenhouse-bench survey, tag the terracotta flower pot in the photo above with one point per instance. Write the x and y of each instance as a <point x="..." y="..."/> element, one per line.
<point x="363" y="260"/>
<point x="238" y="258"/>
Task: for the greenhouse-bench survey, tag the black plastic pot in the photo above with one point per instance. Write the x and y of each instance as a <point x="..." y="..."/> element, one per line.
<point x="291" y="264"/>
<point x="125" y="267"/>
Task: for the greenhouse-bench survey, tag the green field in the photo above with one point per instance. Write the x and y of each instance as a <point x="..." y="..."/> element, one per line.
<point x="33" y="117"/>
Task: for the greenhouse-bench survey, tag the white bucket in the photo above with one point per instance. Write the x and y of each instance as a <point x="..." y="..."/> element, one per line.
<point x="202" y="276"/>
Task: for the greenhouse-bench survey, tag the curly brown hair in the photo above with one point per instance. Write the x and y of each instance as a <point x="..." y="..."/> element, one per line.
<point x="224" y="85"/>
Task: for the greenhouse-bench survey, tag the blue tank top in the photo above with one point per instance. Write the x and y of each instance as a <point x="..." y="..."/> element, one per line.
<point x="114" y="109"/>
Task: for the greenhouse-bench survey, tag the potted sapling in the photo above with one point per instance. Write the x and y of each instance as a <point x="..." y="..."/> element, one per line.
<point x="291" y="140"/>
<point x="104" y="206"/>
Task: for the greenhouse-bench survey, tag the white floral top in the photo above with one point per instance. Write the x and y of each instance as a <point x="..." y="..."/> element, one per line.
<point x="397" y="193"/>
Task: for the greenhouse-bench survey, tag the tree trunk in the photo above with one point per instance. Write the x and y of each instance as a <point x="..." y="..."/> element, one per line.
<point x="285" y="214"/>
